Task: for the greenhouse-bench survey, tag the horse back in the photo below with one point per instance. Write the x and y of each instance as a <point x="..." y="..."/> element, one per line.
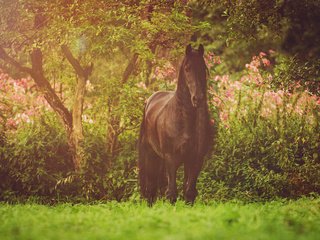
<point x="160" y="118"/>
<point x="157" y="100"/>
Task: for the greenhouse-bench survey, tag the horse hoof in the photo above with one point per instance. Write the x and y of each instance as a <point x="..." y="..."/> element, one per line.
<point x="151" y="201"/>
<point x="190" y="198"/>
<point x="189" y="202"/>
<point x="172" y="198"/>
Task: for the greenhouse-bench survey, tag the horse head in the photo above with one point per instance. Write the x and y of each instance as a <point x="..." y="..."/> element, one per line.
<point x="194" y="69"/>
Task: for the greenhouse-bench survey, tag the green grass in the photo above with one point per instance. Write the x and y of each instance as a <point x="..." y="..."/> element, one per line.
<point x="273" y="220"/>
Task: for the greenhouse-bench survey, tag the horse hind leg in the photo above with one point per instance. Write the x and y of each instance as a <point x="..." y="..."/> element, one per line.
<point x="150" y="167"/>
<point x="153" y="175"/>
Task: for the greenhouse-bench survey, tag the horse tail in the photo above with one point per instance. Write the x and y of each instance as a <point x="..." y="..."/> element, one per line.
<point x="142" y="159"/>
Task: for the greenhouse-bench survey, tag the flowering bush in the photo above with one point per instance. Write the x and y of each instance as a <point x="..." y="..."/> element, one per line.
<point x="252" y="92"/>
<point x="19" y="102"/>
<point x="266" y="144"/>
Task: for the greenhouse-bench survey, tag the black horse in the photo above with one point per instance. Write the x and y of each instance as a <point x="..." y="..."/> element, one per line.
<point x="175" y="130"/>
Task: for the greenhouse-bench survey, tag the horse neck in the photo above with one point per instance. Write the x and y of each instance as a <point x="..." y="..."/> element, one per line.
<point x="182" y="94"/>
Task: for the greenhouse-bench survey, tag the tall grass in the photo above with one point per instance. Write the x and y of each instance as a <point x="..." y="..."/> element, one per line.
<point x="231" y="220"/>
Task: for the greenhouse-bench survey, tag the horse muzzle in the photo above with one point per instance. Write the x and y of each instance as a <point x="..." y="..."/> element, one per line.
<point x="196" y="101"/>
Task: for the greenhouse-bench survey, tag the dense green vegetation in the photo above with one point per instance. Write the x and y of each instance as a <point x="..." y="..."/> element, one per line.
<point x="231" y="220"/>
<point x="74" y="76"/>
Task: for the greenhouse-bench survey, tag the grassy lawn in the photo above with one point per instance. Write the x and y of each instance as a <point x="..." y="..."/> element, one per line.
<point x="274" y="220"/>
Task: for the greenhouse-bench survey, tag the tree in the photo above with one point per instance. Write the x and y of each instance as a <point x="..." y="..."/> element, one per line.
<point x="82" y="32"/>
<point x="72" y="121"/>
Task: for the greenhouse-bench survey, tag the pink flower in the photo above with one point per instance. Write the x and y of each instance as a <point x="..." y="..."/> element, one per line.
<point x="23" y="83"/>
<point x="225" y="79"/>
<point x="216" y="101"/>
<point x="266" y="112"/>
<point x="262" y="54"/>
<point x="142" y="85"/>
<point x="224" y="116"/>
<point x="217" y="60"/>
<point x="244" y="79"/>
<point x="209" y="56"/>
<point x="252" y="67"/>
<point x="275" y="97"/>
<point x="165" y="72"/>
<point x="11" y="123"/>
<point x="265" y="62"/>
<point x="217" y="78"/>
<point x="299" y="111"/>
<point x="210" y="59"/>
<point x="229" y="93"/>
<point x="237" y="85"/>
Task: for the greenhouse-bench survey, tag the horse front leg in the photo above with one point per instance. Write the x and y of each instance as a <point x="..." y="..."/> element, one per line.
<point x="171" y="193"/>
<point x="192" y="170"/>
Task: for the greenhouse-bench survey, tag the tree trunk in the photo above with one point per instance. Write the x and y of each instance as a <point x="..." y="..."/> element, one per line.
<point x="77" y="129"/>
<point x="113" y="134"/>
<point x="71" y="122"/>
<point x="76" y="136"/>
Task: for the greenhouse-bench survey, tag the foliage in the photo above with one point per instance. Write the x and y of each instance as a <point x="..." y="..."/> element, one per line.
<point x="231" y="220"/>
<point x="35" y="162"/>
<point x="240" y="29"/>
<point x="265" y="112"/>
<point x="265" y="143"/>
<point x="265" y="146"/>
<point x="34" y="157"/>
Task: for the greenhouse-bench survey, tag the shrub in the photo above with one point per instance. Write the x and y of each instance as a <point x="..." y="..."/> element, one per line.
<point x="266" y="145"/>
<point x="34" y="157"/>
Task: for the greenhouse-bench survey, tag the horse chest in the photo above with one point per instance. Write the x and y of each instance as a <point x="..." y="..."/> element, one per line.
<point x="177" y="137"/>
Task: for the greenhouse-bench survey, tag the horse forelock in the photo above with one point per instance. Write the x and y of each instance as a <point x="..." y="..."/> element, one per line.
<point x="197" y="64"/>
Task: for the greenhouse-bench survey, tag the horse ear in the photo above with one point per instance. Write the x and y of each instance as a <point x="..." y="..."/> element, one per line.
<point x="201" y="50"/>
<point x="188" y="49"/>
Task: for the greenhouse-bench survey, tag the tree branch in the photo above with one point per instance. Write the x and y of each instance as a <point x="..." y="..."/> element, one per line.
<point x="73" y="61"/>
<point x="44" y="86"/>
<point x="5" y="57"/>
<point x="130" y="68"/>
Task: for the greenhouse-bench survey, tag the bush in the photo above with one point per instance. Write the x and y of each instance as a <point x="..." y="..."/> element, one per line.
<point x="35" y="162"/>
<point x="266" y="146"/>
<point x="33" y="158"/>
<point x="263" y="161"/>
